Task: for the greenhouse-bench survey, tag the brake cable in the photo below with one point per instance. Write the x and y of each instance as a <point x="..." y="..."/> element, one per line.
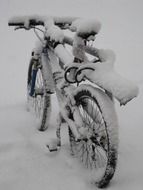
<point x="67" y="71"/>
<point x="79" y="72"/>
<point x="38" y="36"/>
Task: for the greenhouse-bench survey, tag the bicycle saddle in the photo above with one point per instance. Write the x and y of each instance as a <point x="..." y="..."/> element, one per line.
<point x="86" y="29"/>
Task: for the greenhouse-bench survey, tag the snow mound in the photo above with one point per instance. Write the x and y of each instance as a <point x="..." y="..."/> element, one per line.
<point x="86" y="26"/>
<point x="107" y="78"/>
<point x="55" y="33"/>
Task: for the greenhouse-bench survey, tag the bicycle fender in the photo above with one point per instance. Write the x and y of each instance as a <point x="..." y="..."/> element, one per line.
<point x="107" y="78"/>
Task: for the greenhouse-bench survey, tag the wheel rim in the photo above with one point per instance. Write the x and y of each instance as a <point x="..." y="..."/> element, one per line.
<point x="93" y="150"/>
<point x="36" y="102"/>
<point x="39" y="95"/>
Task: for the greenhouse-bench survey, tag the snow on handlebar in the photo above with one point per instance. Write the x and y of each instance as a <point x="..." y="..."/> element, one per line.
<point x="103" y="74"/>
<point x="84" y="28"/>
<point x="39" y="20"/>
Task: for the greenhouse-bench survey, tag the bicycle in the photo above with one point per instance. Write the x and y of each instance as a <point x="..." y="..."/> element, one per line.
<point x="86" y="105"/>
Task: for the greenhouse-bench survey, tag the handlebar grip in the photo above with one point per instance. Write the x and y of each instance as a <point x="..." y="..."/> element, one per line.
<point x="15" y="24"/>
<point x="31" y="22"/>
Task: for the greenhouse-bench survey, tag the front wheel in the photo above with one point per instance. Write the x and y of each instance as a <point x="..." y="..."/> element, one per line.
<point x="38" y="100"/>
<point x="98" y="149"/>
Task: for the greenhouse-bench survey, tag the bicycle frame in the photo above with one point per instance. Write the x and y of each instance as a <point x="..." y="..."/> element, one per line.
<point x="52" y="51"/>
<point x="54" y="83"/>
<point x="104" y="74"/>
<point x="51" y="62"/>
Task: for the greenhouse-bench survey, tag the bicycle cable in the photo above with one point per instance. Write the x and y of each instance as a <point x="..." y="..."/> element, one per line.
<point x="79" y="72"/>
<point x="38" y="36"/>
<point x="68" y="71"/>
<point x="76" y="75"/>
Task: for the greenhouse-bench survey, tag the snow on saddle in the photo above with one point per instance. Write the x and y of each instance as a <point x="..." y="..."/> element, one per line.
<point x="86" y="29"/>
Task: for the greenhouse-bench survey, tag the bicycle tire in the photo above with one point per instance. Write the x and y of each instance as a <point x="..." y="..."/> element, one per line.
<point x="39" y="102"/>
<point x="105" y="137"/>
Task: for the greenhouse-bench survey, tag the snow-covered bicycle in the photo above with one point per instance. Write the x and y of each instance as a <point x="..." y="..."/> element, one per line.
<point x="85" y="84"/>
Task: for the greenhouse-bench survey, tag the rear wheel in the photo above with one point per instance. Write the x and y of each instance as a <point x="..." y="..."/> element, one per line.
<point x="38" y="100"/>
<point x="97" y="150"/>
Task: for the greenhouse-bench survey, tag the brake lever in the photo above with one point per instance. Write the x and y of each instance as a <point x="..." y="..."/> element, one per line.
<point x="21" y="27"/>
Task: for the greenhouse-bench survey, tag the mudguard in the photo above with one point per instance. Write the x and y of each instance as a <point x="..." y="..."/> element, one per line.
<point x="107" y="78"/>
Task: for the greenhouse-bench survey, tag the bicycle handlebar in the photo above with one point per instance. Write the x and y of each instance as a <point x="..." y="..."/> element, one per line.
<point x="31" y="22"/>
<point x="62" y="22"/>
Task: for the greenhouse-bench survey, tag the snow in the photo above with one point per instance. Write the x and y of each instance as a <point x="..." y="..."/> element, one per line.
<point x="86" y="26"/>
<point x="78" y="48"/>
<point x="25" y="161"/>
<point x="47" y="70"/>
<point x="47" y="19"/>
<point x="108" y="110"/>
<point x="66" y="58"/>
<point x="78" y="25"/>
<point x="38" y="47"/>
<point x="55" y="33"/>
<point x="106" y="77"/>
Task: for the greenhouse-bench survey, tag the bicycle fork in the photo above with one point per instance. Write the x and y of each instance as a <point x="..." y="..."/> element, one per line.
<point x="71" y="116"/>
<point x="67" y="115"/>
<point x="33" y="80"/>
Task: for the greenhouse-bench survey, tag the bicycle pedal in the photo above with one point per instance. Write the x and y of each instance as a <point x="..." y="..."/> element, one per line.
<point x="53" y="145"/>
<point x="50" y="92"/>
<point x="52" y="149"/>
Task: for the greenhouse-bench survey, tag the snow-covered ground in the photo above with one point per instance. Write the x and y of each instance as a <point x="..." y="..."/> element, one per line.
<point x="25" y="162"/>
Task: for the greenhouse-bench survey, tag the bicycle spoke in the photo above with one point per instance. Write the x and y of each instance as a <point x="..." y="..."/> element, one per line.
<point x="101" y="161"/>
<point x="93" y="151"/>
